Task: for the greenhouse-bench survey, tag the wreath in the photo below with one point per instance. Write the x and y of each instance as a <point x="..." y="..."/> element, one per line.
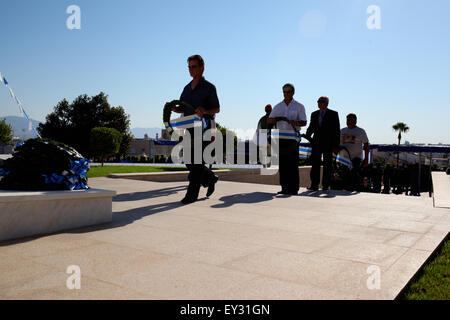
<point x="180" y="106"/>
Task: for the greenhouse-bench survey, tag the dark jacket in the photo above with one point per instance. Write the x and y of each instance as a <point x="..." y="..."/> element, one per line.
<point x="328" y="135"/>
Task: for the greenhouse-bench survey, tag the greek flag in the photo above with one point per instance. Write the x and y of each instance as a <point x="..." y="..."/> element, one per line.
<point x="304" y="150"/>
<point x="284" y="134"/>
<point x="341" y="158"/>
<point x="188" y="122"/>
<point x="12" y="94"/>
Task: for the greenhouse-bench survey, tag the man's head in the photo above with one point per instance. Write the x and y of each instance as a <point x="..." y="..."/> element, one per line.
<point x="268" y="109"/>
<point x="196" y="66"/>
<point x="323" y="102"/>
<point x="351" y="120"/>
<point x="288" y="92"/>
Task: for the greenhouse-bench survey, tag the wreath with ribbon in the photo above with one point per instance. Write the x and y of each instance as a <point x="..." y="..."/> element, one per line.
<point x="180" y="106"/>
<point x="297" y="132"/>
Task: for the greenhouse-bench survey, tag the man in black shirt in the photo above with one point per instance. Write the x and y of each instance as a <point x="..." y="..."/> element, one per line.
<point x="202" y="95"/>
<point x="263" y="125"/>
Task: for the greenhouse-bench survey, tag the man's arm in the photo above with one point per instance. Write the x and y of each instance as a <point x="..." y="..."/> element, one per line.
<point x="298" y="123"/>
<point x="366" y="154"/>
<point x="336" y="134"/>
<point x="271" y="121"/>
<point x="337" y="131"/>
<point x="200" y="111"/>
<point x="310" y="129"/>
<point x="212" y="103"/>
<point x="303" y="120"/>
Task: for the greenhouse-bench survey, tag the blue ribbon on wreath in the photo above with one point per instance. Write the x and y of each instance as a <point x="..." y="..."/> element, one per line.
<point x="73" y="179"/>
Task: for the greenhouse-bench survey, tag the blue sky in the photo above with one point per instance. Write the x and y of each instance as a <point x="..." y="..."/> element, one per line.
<point x="135" y="51"/>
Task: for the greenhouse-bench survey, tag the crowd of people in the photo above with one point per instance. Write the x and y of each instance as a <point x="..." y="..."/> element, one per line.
<point x="326" y="137"/>
<point x="378" y="178"/>
<point x="288" y="117"/>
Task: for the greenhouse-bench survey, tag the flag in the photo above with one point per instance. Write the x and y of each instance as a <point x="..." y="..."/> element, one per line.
<point x="25" y="114"/>
<point x="30" y="125"/>
<point x="21" y="109"/>
<point x="1" y="78"/>
<point x="4" y="80"/>
<point x="12" y="94"/>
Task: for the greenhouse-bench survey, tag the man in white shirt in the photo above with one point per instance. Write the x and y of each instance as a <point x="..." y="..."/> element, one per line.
<point x="288" y="116"/>
<point x="355" y="140"/>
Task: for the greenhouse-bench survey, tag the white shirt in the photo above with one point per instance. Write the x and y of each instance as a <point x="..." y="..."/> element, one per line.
<point x="353" y="140"/>
<point x="295" y="111"/>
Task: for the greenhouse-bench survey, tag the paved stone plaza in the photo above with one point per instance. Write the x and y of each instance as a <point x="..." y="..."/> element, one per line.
<point x="242" y="243"/>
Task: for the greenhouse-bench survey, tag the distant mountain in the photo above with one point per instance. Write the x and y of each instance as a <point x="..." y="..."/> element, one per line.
<point x="20" y="126"/>
<point x="151" y="132"/>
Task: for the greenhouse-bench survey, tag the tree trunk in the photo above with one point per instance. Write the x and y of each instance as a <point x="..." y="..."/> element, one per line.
<point x="398" y="152"/>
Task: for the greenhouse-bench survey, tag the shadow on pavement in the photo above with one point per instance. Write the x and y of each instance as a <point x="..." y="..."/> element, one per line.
<point x="135" y="196"/>
<point x="123" y="218"/>
<point x="254" y="197"/>
<point x="328" y="194"/>
<point x="119" y="219"/>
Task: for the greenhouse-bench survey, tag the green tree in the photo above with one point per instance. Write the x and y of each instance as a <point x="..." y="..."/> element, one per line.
<point x="72" y="123"/>
<point x="400" y="127"/>
<point x="105" y="142"/>
<point x="5" y="133"/>
<point x="223" y="131"/>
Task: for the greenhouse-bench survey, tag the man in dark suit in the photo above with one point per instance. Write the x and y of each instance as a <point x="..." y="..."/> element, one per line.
<point x="324" y="134"/>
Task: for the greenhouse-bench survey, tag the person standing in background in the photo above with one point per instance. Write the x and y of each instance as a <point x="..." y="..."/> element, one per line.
<point x="324" y="134"/>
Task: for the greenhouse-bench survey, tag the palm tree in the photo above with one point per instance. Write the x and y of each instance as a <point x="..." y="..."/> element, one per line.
<point x="400" y="127"/>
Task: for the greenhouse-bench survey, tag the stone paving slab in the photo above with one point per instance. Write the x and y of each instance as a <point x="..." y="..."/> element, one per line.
<point x="441" y="189"/>
<point x="245" y="242"/>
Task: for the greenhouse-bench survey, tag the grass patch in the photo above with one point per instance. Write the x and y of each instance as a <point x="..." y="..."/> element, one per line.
<point x="433" y="280"/>
<point x="98" y="171"/>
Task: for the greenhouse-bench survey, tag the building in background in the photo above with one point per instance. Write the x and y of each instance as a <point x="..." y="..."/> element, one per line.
<point x="149" y="149"/>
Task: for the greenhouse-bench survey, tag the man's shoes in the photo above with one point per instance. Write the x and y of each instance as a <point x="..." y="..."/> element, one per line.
<point x="211" y="187"/>
<point x="188" y="200"/>
<point x="283" y="192"/>
<point x="293" y="193"/>
<point x="325" y="188"/>
<point x="313" y="188"/>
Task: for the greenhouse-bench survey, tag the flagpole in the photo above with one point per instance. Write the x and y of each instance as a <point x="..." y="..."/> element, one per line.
<point x="19" y="104"/>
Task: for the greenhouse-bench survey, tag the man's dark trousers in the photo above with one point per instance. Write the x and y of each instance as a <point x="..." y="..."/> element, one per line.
<point x="199" y="174"/>
<point x="289" y="177"/>
<point x="316" y="155"/>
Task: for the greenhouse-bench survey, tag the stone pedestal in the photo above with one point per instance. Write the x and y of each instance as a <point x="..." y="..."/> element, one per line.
<point x="24" y="214"/>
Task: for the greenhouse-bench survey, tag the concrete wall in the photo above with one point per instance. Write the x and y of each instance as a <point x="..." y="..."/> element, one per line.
<point x="267" y="176"/>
